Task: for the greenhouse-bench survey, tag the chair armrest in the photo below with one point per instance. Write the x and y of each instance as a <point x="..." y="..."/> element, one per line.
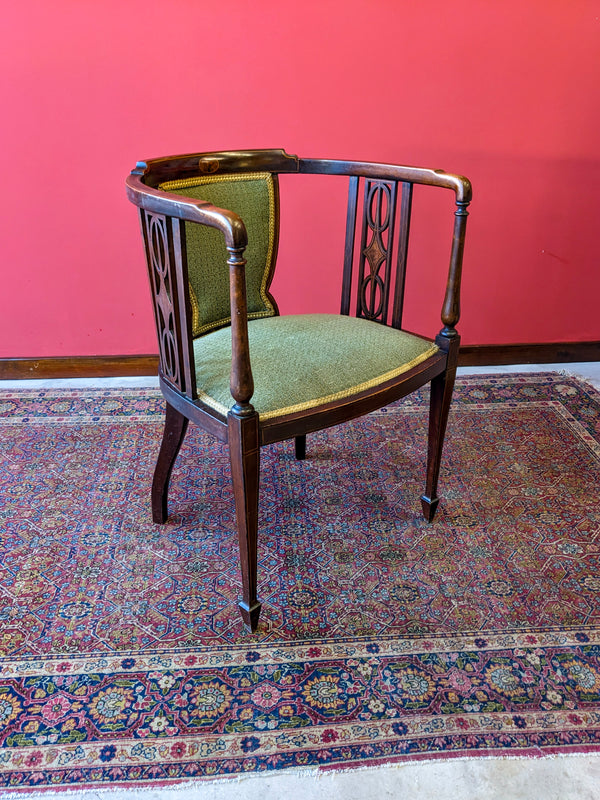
<point x="186" y="208"/>
<point x="460" y="185"/>
<point x="155" y="201"/>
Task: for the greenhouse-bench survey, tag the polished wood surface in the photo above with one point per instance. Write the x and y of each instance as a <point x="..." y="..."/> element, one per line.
<point x="244" y="454"/>
<point x="174" y="433"/>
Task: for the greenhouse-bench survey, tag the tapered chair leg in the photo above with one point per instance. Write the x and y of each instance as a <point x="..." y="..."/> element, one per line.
<point x="300" y="447"/>
<point x="441" y="396"/>
<point x="244" y="453"/>
<point x="173" y="436"/>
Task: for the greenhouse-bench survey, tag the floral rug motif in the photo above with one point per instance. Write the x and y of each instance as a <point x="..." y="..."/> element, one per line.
<point x="122" y="654"/>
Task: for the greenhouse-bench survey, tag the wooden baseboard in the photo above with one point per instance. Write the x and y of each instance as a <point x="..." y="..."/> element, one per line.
<point x="78" y="367"/>
<point x="485" y="355"/>
<point x="489" y="355"/>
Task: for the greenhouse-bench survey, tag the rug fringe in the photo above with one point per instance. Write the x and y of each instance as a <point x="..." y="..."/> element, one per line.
<point x="160" y="789"/>
<point x="589" y="382"/>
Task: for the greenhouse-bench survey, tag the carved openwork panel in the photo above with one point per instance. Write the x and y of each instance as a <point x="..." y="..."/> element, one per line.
<point x="375" y="262"/>
<point x="157" y="235"/>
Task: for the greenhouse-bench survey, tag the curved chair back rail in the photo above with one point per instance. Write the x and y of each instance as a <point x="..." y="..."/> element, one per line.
<point x="230" y="363"/>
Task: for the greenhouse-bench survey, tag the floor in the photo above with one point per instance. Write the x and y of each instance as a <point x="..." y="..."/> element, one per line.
<point x="551" y="778"/>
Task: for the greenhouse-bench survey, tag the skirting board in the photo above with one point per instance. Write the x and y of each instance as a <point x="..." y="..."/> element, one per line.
<point x="77" y="367"/>
<point x="484" y="355"/>
<point x="119" y="366"/>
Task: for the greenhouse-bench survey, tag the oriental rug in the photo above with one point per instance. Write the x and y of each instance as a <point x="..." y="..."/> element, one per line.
<point x="382" y="637"/>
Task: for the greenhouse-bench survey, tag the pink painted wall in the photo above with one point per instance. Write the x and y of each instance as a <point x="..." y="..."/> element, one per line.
<point x="504" y="92"/>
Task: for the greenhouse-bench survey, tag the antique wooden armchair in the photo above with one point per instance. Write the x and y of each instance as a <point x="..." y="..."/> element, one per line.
<point x="230" y="363"/>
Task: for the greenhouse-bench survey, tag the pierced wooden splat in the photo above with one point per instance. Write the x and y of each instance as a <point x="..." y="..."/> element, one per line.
<point x="376" y="276"/>
<point x="164" y="246"/>
<point x="375" y="262"/>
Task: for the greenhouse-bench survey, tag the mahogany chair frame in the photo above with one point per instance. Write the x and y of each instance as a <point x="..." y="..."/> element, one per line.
<point x="164" y="217"/>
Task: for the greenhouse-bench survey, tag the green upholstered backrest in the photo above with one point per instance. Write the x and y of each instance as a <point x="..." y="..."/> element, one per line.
<point x="253" y="196"/>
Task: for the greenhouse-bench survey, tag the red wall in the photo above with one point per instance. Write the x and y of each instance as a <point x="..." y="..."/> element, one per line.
<point x="504" y="92"/>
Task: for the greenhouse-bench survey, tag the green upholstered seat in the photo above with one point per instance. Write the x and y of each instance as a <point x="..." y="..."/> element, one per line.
<point x="301" y="361"/>
<point x="254" y="198"/>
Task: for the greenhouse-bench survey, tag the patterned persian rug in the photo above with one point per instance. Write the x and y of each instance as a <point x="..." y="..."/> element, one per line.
<point x="382" y="638"/>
